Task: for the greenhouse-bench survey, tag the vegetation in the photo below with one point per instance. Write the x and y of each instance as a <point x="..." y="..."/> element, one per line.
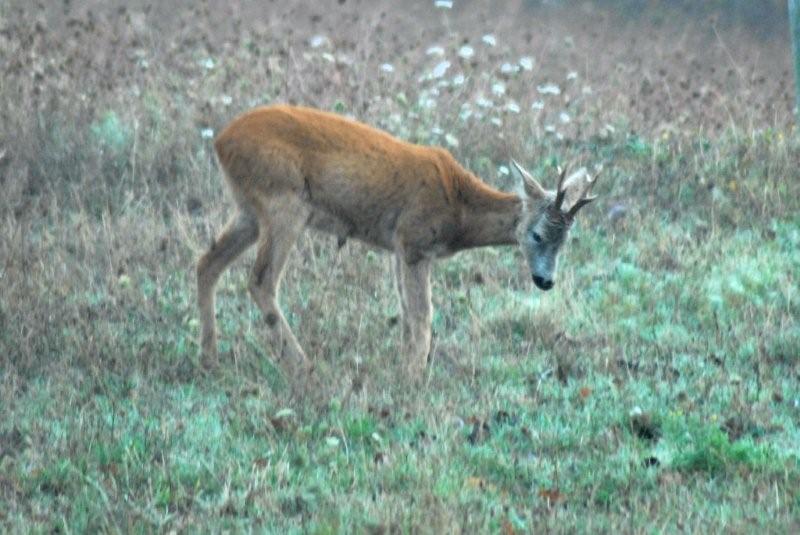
<point x="655" y="389"/>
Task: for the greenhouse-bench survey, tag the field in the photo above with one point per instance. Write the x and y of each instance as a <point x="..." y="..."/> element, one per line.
<point x="655" y="389"/>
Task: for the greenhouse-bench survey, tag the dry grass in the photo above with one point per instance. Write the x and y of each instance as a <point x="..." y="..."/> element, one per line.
<point x="678" y="294"/>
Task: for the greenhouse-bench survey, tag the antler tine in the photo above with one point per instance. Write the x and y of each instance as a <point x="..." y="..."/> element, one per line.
<point x="560" y="193"/>
<point x="580" y="204"/>
<point x="590" y="182"/>
<point x="586" y="197"/>
<point x="596" y="175"/>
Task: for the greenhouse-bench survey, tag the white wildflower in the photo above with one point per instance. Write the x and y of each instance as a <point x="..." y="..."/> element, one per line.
<point x="387" y="67"/>
<point x="435" y="50"/>
<point x="538" y="105"/>
<point x="444" y="4"/>
<point x="226" y="100"/>
<point x="564" y="117"/>
<point x="549" y="89"/>
<point x="572" y="75"/>
<point x="484" y="102"/>
<point x="344" y="59"/>
<point x="459" y="79"/>
<point x="496" y="121"/>
<point x="508" y="68"/>
<point x="206" y="133"/>
<point x="207" y="64"/>
<point x="499" y="88"/>
<point x="466" y="51"/>
<point x="526" y="63"/>
<point x="440" y="69"/>
<point x="451" y="140"/>
<point x="489" y="39"/>
<point x="465" y="113"/>
<point x="513" y="107"/>
<point x="503" y="170"/>
<point x="427" y="102"/>
<point x="318" y="41"/>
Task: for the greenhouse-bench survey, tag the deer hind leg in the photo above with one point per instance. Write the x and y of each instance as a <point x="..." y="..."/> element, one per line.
<point x="414" y="287"/>
<point x="281" y="223"/>
<point x="241" y="233"/>
<point x="401" y="294"/>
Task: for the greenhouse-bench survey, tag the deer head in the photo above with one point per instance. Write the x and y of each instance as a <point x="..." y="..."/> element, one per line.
<point x="546" y="218"/>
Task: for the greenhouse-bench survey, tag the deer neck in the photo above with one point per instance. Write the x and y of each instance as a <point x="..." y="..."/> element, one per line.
<point x="489" y="217"/>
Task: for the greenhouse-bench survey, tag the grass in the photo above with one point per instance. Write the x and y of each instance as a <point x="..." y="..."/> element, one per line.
<point x="656" y="389"/>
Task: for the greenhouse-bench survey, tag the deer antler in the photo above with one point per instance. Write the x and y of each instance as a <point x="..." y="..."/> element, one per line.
<point x="560" y="192"/>
<point x="587" y="198"/>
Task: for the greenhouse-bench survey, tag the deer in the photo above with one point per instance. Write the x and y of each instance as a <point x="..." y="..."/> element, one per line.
<point x="291" y="168"/>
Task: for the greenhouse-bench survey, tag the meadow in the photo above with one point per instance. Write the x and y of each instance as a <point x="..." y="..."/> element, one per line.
<point x="655" y="389"/>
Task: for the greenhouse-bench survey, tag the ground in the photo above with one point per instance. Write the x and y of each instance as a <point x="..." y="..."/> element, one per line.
<point x="656" y="388"/>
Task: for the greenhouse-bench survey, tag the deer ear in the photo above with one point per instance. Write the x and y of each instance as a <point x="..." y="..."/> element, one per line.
<point x="533" y="189"/>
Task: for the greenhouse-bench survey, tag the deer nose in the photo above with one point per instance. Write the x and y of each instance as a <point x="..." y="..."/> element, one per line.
<point x="542" y="283"/>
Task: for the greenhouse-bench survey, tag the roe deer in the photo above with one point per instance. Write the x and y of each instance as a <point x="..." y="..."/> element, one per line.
<point x="290" y="167"/>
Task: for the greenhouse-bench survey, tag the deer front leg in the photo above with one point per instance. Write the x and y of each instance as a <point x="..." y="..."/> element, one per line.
<point x="414" y="287"/>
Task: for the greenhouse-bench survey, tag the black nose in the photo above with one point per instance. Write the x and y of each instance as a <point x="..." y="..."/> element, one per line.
<point x="542" y="283"/>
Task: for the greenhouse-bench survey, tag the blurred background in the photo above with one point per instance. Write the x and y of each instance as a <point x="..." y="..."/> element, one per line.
<point x="677" y="300"/>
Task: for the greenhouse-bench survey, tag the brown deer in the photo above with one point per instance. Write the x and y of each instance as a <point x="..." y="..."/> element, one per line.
<point x="290" y="168"/>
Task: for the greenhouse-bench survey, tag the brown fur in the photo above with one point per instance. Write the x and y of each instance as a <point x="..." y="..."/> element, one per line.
<point x="290" y="168"/>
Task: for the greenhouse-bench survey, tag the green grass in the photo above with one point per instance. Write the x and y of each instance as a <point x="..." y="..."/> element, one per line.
<point x="520" y="413"/>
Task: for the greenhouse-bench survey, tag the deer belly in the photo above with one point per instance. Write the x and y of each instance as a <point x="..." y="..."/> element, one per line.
<point x="373" y="231"/>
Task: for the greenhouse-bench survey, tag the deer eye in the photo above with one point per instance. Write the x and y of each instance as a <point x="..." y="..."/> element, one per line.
<point x="536" y="237"/>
